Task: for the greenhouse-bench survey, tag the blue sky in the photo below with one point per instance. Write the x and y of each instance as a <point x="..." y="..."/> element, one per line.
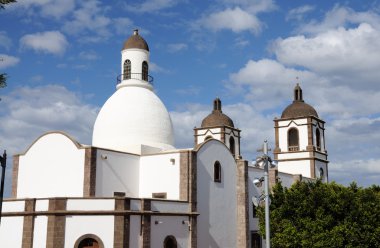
<point x="63" y="57"/>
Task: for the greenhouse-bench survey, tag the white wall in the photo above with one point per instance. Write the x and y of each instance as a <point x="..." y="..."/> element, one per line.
<point x="158" y="174"/>
<point x="302" y="133"/>
<point x="11" y="230"/>
<point x="134" y="237"/>
<point x="169" y="225"/>
<point x="215" y="133"/>
<point x="101" y="226"/>
<point x="216" y="201"/>
<point x="119" y="172"/>
<point x="295" y="167"/>
<point x="90" y="204"/>
<point x="52" y="167"/>
<point x="40" y="231"/>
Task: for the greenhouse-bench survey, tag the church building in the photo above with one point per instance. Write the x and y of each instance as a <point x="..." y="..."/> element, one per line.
<point x="133" y="188"/>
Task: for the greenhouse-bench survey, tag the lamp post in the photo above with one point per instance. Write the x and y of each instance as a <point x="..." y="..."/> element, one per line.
<point x="3" y="162"/>
<point x="267" y="161"/>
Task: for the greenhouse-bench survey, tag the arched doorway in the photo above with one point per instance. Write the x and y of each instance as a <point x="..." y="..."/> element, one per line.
<point x="170" y="242"/>
<point x="89" y="241"/>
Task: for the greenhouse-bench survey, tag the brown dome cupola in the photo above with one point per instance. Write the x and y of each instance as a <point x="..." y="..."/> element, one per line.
<point x="136" y="41"/>
<point x="298" y="108"/>
<point x="217" y="118"/>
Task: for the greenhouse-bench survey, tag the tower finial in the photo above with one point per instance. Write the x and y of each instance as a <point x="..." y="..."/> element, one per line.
<point x="217" y="105"/>
<point x="298" y="93"/>
<point x="136" y="32"/>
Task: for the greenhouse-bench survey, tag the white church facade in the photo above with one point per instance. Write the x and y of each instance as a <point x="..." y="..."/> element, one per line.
<point x="133" y="188"/>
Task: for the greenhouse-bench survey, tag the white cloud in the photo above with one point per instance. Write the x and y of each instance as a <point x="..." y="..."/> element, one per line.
<point x="89" y="22"/>
<point x="89" y="55"/>
<point x="252" y="6"/>
<point x="340" y="17"/>
<point x="47" y="8"/>
<point x="346" y="55"/>
<point x="236" y="20"/>
<point x="258" y="78"/>
<point x="53" y="42"/>
<point x="253" y="134"/>
<point x="156" y="68"/>
<point x="299" y="13"/>
<point x="5" y="41"/>
<point x="28" y="112"/>
<point x="8" y="61"/>
<point x="176" y="47"/>
<point x="152" y="5"/>
<point x="364" y="171"/>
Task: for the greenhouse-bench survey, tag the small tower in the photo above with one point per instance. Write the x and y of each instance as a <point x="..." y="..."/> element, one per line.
<point x="219" y="126"/>
<point x="300" y="140"/>
<point x="135" y="63"/>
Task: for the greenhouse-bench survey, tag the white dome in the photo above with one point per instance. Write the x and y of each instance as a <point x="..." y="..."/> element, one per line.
<point x="132" y="117"/>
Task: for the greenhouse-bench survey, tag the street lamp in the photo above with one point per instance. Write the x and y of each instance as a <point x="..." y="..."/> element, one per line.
<point x="266" y="161"/>
<point x="3" y="163"/>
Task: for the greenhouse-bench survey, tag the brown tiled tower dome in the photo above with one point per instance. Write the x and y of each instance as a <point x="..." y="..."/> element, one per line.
<point x="217" y="118"/>
<point x="298" y="108"/>
<point x="136" y="41"/>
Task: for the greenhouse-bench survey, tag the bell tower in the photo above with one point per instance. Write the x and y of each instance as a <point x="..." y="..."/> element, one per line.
<point x="300" y="140"/>
<point x="219" y="126"/>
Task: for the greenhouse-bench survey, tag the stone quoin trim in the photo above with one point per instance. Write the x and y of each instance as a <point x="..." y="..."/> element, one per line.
<point x="56" y="224"/>
<point x="242" y="203"/>
<point x="121" y="224"/>
<point x="145" y="224"/>
<point x="184" y="172"/>
<point x="28" y="228"/>
<point x="16" y="162"/>
<point x="89" y="182"/>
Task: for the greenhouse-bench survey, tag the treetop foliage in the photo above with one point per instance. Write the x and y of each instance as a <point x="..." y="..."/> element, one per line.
<point x="316" y="214"/>
<point x="4" y="2"/>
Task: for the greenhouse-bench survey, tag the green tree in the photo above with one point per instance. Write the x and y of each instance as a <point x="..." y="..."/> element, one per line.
<point x="316" y="214"/>
<point x="4" y="2"/>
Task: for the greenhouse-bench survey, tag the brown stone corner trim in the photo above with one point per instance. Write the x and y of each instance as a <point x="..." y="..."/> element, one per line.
<point x="89" y="182"/>
<point x="242" y="203"/>
<point x="28" y="228"/>
<point x="56" y="224"/>
<point x="121" y="224"/>
<point x="16" y="161"/>
<point x="184" y="164"/>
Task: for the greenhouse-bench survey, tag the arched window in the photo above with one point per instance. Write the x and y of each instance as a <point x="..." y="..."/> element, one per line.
<point x="232" y="145"/>
<point x="89" y="241"/>
<point x="127" y="69"/>
<point x="293" y="144"/>
<point x="170" y="242"/>
<point x="217" y="172"/>
<point x="318" y="139"/>
<point x="145" y="71"/>
<point x="321" y="173"/>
